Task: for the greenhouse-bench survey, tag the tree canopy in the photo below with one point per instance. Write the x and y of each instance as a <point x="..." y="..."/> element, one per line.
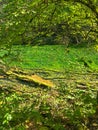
<point x="48" y="21"/>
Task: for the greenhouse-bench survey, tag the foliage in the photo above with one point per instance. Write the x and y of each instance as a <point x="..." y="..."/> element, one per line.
<point x="70" y="104"/>
<point x="47" y="109"/>
<point x="36" y="22"/>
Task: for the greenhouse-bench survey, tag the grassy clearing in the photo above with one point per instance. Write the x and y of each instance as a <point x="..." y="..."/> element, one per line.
<point x="56" y="57"/>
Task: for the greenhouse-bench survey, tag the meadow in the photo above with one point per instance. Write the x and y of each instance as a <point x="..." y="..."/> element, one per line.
<point x="55" y="57"/>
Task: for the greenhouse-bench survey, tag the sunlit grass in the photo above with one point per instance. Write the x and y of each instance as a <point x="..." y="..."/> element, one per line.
<point x="56" y="57"/>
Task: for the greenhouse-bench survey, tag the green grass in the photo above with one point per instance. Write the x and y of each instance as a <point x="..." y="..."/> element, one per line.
<point x="56" y="57"/>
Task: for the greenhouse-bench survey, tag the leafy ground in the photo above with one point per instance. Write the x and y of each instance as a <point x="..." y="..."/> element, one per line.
<point x="70" y="105"/>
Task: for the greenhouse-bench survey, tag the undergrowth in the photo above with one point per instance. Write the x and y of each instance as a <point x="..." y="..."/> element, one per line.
<point x="56" y="57"/>
<point x="68" y="106"/>
<point x="65" y="108"/>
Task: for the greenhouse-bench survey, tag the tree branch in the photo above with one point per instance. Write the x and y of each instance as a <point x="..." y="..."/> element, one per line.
<point x="88" y="4"/>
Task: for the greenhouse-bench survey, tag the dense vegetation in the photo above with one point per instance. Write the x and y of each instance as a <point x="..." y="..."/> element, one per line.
<point x="48" y="22"/>
<point x="55" y="41"/>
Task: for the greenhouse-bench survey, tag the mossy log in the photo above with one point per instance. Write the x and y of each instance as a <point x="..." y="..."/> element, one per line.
<point x="34" y="79"/>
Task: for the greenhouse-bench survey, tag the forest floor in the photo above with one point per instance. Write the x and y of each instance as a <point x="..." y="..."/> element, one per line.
<point x="67" y="86"/>
<point x="61" y="95"/>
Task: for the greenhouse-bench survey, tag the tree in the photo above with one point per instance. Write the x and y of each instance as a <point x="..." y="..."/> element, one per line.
<point x="28" y="21"/>
<point x="91" y="4"/>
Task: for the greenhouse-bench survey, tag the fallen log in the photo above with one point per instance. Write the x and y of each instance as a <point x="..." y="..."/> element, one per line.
<point x="34" y="79"/>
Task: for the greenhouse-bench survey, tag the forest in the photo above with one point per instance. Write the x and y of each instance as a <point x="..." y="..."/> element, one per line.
<point x="49" y="64"/>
